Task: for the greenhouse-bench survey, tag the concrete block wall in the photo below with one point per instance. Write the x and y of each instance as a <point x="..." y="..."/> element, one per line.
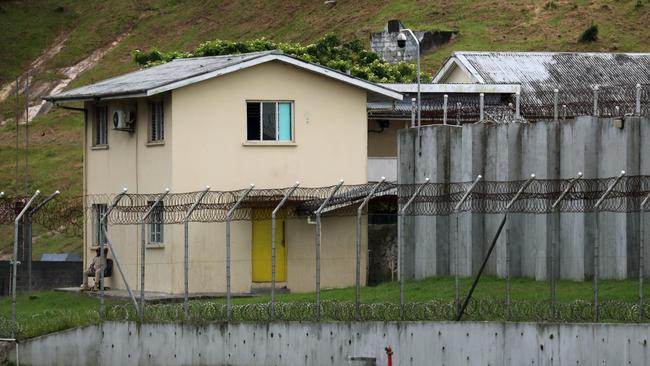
<point x="507" y="152"/>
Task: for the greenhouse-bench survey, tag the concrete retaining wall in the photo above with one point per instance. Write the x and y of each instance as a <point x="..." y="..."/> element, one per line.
<point x="512" y="152"/>
<point x="294" y="343"/>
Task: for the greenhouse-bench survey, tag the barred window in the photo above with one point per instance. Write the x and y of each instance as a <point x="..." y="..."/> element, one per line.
<point x="99" y="210"/>
<point x="156" y="223"/>
<point x="269" y="121"/>
<point x="157" y="125"/>
<point x="101" y="125"/>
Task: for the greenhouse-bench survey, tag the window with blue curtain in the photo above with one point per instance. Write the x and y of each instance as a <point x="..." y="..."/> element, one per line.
<point x="269" y="121"/>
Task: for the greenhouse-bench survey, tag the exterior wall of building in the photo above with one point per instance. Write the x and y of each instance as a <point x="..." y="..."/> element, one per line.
<point x="330" y="136"/>
<point x="457" y="76"/>
<point x="129" y="161"/>
<point x="207" y="146"/>
<point x="384" y="144"/>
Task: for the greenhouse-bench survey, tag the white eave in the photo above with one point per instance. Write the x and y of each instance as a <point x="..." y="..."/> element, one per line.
<point x="456" y="88"/>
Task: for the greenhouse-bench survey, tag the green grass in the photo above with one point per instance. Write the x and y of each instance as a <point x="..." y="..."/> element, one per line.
<point x="49" y="311"/>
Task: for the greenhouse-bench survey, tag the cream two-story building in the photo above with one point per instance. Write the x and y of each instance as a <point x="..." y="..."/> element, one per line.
<point x="226" y="121"/>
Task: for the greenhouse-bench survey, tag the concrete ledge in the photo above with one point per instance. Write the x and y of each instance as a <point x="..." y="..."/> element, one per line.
<point x="308" y="343"/>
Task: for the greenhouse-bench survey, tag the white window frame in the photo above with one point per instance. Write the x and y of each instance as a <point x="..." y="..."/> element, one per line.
<point x="100" y="129"/>
<point x="277" y="121"/>
<point x="156" y="126"/>
<point x="99" y="237"/>
<point x="156" y="233"/>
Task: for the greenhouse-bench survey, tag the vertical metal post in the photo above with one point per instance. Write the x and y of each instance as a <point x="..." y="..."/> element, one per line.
<point x="143" y="246"/>
<point x="481" y="105"/>
<point x="400" y="246"/>
<point x="556" y="110"/>
<point x="15" y="263"/>
<point x="357" y="282"/>
<point x="273" y="245"/>
<point x="597" y="243"/>
<point x="517" y="105"/>
<point x="28" y="235"/>
<point x="458" y="112"/>
<point x="642" y="259"/>
<point x="413" y="107"/>
<point x="564" y="112"/>
<point x="492" y="245"/>
<point x="318" y="241"/>
<point x="229" y="216"/>
<point x="554" y="245"/>
<point x="102" y="259"/>
<point x="456" y="256"/>
<point x="507" y="253"/>
<point x="596" y="101"/>
<point x="445" y="98"/>
<point x="637" y="110"/>
<point x="186" y="253"/>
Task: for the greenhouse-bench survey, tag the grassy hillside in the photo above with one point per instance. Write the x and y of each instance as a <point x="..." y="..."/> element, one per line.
<point x="30" y="27"/>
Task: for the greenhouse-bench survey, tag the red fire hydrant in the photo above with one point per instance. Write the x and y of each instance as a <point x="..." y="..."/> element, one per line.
<point x="389" y="354"/>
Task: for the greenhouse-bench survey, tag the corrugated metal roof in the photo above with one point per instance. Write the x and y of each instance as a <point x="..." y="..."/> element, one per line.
<point x="573" y="73"/>
<point x="182" y="72"/>
<point x="559" y="68"/>
<point x="139" y="82"/>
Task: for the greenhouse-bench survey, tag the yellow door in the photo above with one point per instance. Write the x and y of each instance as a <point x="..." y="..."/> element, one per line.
<point x="262" y="251"/>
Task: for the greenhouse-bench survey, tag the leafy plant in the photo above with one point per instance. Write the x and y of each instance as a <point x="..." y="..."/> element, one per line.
<point x="590" y="34"/>
<point x="350" y="57"/>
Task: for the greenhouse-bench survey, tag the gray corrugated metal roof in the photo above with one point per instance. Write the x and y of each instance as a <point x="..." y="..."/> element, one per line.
<point x="182" y="72"/>
<point x="559" y="68"/>
<point x="141" y="81"/>
<point x="573" y="73"/>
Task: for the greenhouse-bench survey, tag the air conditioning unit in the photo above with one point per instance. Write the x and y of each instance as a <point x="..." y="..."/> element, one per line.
<point x="124" y="120"/>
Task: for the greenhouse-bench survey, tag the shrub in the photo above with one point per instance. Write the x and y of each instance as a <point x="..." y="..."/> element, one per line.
<point x="329" y="51"/>
<point x="590" y="34"/>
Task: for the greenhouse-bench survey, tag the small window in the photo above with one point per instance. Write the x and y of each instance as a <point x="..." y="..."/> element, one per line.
<point x="157" y="125"/>
<point x="99" y="237"/>
<point x="101" y="125"/>
<point x="156" y="223"/>
<point x="269" y="121"/>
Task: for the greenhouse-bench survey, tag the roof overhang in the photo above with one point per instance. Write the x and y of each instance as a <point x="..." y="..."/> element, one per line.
<point x="375" y="91"/>
<point x="456" y="88"/>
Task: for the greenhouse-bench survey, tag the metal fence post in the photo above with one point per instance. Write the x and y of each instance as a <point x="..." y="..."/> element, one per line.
<point x="642" y="258"/>
<point x="102" y="220"/>
<point x="492" y="245"/>
<point x="229" y="216"/>
<point x="556" y="110"/>
<point x="481" y="107"/>
<point x="444" y="109"/>
<point x="456" y="256"/>
<point x="143" y="244"/>
<point x="357" y="282"/>
<point x="413" y="106"/>
<point x="400" y="246"/>
<point x="597" y="243"/>
<point x="15" y="263"/>
<point x="28" y="238"/>
<point x="115" y="257"/>
<point x="596" y="101"/>
<point x="554" y="244"/>
<point x="637" y="110"/>
<point x="186" y="253"/>
<point x="318" y="240"/>
<point x="273" y="248"/>
<point x="517" y="105"/>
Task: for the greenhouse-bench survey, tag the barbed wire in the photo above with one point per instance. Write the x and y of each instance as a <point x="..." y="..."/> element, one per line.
<point x="435" y="199"/>
<point x="536" y="104"/>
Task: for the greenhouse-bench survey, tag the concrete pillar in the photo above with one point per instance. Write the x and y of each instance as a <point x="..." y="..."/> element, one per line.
<point x="406" y="175"/>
